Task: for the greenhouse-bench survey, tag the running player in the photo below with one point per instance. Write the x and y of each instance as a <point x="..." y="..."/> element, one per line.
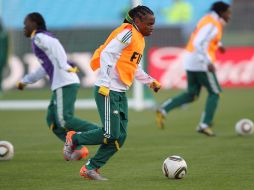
<point x="198" y="63"/>
<point x="118" y="63"/>
<point x="63" y="79"/>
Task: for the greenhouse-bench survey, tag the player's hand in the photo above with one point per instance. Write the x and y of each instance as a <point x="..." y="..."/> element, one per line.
<point x="20" y="85"/>
<point x="155" y="85"/>
<point x="211" y="67"/>
<point x="104" y="90"/>
<point x="73" y="70"/>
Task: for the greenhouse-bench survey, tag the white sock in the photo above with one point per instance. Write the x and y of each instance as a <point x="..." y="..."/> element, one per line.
<point x="164" y="113"/>
<point x="203" y="125"/>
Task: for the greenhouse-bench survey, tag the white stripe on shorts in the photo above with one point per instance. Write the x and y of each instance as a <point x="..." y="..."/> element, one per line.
<point x="107" y="117"/>
<point x="212" y="82"/>
<point x="59" y="106"/>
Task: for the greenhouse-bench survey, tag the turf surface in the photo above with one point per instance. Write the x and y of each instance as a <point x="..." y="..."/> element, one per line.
<point x="221" y="163"/>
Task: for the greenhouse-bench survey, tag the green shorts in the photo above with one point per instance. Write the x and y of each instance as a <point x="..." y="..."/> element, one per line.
<point x="113" y="111"/>
<point x="198" y="79"/>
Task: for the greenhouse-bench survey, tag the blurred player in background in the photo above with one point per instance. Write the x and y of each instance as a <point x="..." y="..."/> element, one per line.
<point x="198" y="63"/>
<point x="4" y="46"/>
<point x="63" y="78"/>
<point x="118" y="63"/>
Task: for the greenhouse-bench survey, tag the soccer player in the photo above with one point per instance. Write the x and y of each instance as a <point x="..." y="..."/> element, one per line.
<point x="198" y="63"/>
<point x="63" y="79"/>
<point x="118" y="63"/>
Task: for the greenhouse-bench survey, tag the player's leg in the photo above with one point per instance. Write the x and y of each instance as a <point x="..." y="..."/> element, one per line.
<point x="114" y="115"/>
<point x="115" y="124"/>
<point x="99" y="135"/>
<point x="209" y="80"/>
<point x="95" y="136"/>
<point x="65" y="102"/>
<point x="214" y="91"/>
<point x="193" y="90"/>
<point x="60" y="132"/>
<point x="192" y="93"/>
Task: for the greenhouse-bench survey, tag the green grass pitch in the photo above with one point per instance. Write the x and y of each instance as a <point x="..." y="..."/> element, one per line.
<point x="225" y="162"/>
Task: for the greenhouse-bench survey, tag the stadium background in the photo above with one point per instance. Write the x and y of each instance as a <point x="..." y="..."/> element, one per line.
<point x="221" y="163"/>
<point x="83" y="25"/>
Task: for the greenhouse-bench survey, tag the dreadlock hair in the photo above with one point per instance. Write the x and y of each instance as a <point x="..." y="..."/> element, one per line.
<point x="38" y="19"/>
<point x="137" y="12"/>
<point x="219" y="7"/>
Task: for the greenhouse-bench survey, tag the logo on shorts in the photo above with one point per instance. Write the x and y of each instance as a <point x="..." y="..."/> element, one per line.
<point x="115" y="112"/>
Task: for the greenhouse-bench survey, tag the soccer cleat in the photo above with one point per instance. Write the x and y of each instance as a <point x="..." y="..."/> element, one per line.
<point x="160" y="119"/>
<point x="91" y="174"/>
<point x="207" y="131"/>
<point x="79" y="154"/>
<point x="68" y="146"/>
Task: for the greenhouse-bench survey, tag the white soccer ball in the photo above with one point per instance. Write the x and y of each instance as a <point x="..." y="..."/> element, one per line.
<point x="174" y="167"/>
<point x="6" y="150"/>
<point x="244" y="127"/>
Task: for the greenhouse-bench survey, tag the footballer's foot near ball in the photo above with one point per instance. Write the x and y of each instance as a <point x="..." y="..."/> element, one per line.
<point x="207" y="131"/>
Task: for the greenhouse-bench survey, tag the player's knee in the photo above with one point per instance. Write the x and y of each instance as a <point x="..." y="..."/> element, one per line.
<point x="117" y="140"/>
<point x="122" y="139"/>
<point x="214" y="96"/>
<point x="113" y="134"/>
<point x="192" y="96"/>
<point x="66" y="121"/>
<point x="114" y="137"/>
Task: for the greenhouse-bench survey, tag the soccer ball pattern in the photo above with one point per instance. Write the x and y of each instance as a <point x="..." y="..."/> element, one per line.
<point x="244" y="127"/>
<point x="174" y="167"/>
<point x="6" y="150"/>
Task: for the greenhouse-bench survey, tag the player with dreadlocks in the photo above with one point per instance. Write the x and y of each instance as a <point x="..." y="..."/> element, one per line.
<point x="118" y="63"/>
<point x="63" y="78"/>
